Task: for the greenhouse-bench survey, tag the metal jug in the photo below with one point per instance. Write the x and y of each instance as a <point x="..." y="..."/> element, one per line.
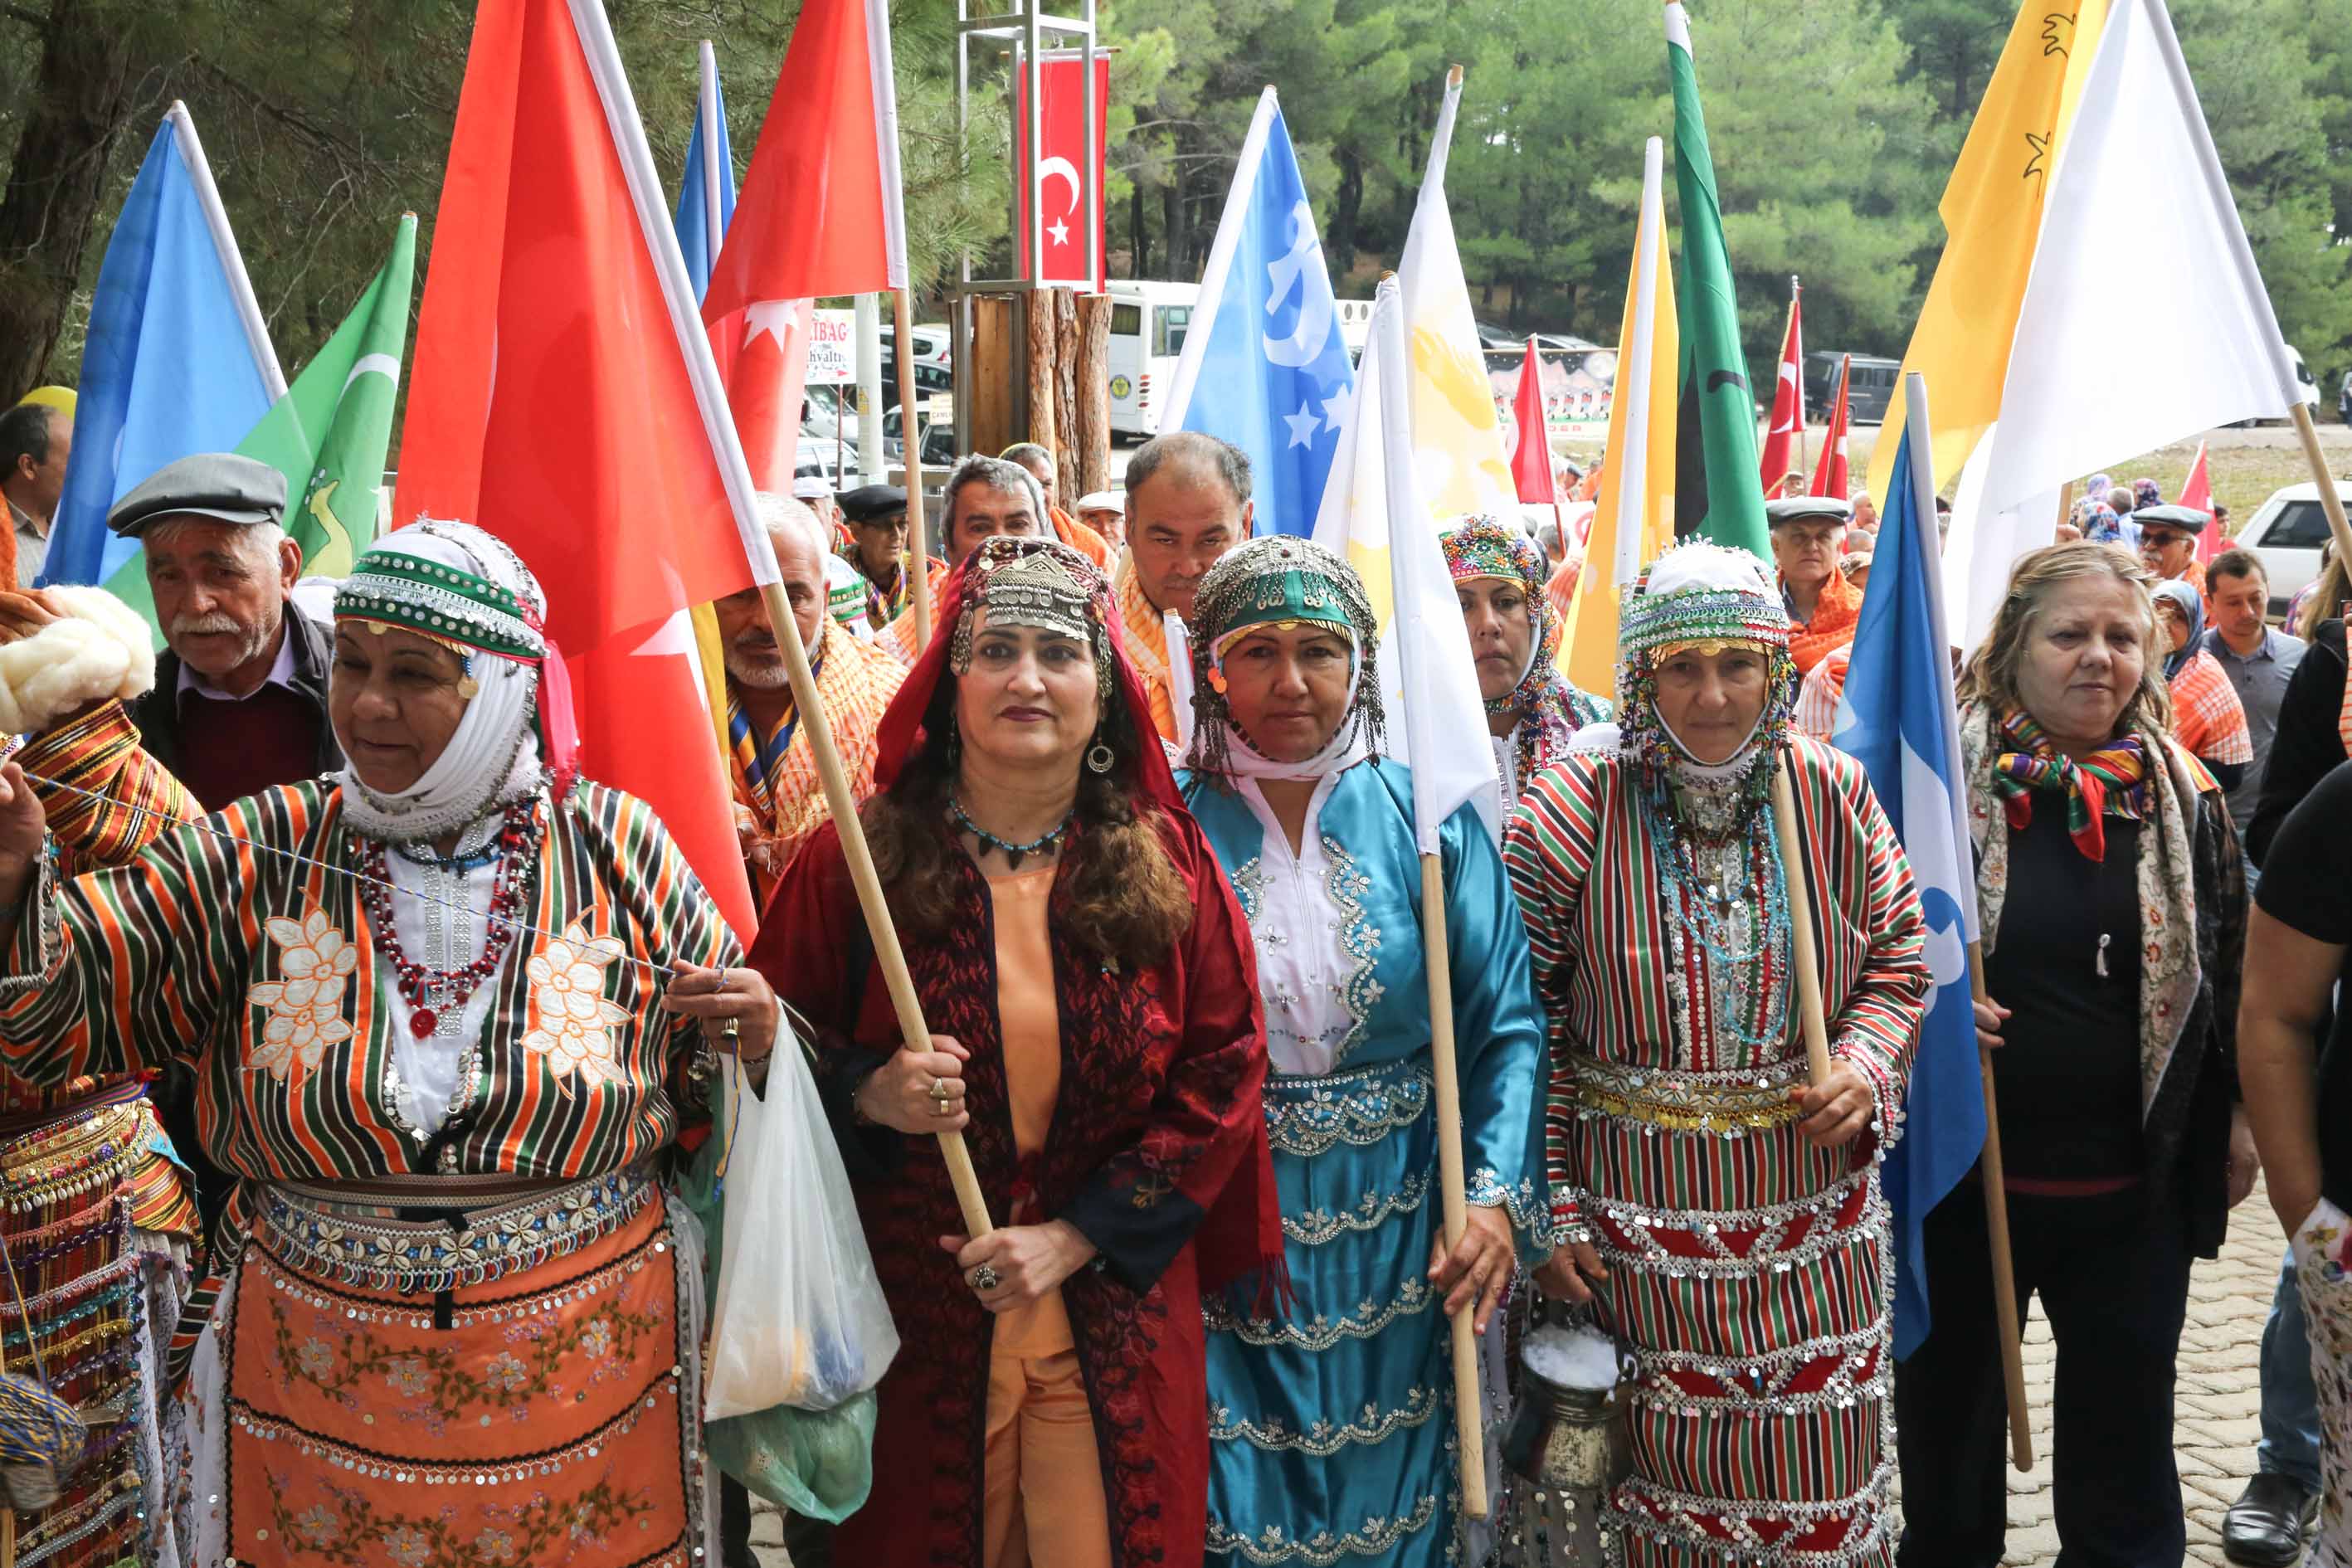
<point x="1567" y="1448"/>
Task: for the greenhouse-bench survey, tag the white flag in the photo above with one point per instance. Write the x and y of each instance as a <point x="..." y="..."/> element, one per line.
<point x="1457" y="433"/>
<point x="1374" y="516"/>
<point x="2190" y="300"/>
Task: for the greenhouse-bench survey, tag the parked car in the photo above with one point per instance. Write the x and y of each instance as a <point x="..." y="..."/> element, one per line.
<point x="2286" y="532"/>
<point x="1871" y="389"/>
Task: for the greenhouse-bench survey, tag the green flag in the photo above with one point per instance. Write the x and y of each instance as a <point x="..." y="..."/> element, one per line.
<point x="331" y="431"/>
<point x="1717" y="493"/>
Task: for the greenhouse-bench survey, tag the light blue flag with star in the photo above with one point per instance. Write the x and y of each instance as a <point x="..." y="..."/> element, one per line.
<point x="1265" y="365"/>
<point x="1898" y="717"/>
<point x="706" y="197"/>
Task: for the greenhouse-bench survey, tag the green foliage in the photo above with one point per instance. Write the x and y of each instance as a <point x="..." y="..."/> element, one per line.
<point x="1835" y="123"/>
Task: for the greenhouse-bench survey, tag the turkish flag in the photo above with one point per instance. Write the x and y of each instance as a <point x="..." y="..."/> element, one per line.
<point x="550" y="400"/>
<point x="1061" y="95"/>
<point x="1781" y="449"/>
<point x="820" y="214"/>
<point x="1531" y="457"/>
<point x="2197" y="493"/>
<point x="1830" y="475"/>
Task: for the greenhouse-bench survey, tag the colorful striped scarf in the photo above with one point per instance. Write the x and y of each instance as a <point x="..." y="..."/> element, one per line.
<point x="2111" y="782"/>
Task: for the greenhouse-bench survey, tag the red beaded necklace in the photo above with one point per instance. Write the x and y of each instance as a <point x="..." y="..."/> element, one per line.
<point x="427" y="991"/>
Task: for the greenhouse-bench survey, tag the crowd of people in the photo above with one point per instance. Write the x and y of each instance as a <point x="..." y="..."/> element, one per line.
<point x="354" y="1043"/>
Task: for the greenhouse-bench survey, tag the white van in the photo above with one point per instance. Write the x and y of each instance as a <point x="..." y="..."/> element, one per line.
<point x="1148" y="323"/>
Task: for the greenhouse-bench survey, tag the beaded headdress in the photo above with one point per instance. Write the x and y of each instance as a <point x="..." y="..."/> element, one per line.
<point x="1278" y="581"/>
<point x="392" y="587"/>
<point x="1022" y="580"/>
<point x="1482" y="545"/>
<point x="1705" y="596"/>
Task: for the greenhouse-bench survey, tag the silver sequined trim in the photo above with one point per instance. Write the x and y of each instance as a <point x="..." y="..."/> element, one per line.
<point x="1321" y="1549"/>
<point x="1326" y="1438"/>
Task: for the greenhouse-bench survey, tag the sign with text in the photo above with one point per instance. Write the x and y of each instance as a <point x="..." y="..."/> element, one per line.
<point x="833" y="349"/>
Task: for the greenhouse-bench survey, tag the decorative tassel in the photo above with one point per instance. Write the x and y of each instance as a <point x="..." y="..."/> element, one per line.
<point x="2105" y="938"/>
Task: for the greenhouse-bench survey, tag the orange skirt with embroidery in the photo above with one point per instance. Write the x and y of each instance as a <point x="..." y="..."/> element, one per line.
<point x="547" y="1415"/>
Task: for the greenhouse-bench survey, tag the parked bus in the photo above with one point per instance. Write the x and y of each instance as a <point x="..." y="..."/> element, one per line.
<point x="1148" y="323"/>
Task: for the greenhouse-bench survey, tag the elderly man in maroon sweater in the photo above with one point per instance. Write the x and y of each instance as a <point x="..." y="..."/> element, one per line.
<point x="240" y="700"/>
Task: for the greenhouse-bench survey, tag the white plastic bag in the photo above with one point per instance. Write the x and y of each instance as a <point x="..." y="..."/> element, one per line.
<point x="798" y="1318"/>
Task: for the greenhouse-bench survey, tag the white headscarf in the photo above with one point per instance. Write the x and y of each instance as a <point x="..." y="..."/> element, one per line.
<point x="493" y="758"/>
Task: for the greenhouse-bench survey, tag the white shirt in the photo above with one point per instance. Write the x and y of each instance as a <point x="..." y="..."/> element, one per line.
<point x="1301" y="909"/>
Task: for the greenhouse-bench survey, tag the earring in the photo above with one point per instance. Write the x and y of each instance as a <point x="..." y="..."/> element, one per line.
<point x="1099" y="757"/>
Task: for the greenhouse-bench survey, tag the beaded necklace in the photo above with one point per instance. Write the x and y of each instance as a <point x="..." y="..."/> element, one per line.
<point x="430" y="993"/>
<point x="1013" y="853"/>
<point x="1744" y="957"/>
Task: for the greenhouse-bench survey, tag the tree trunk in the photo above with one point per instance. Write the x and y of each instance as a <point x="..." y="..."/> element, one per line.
<point x="1172" y="224"/>
<point x="1139" y="238"/>
<point x="55" y="182"/>
<point x="1347" y="210"/>
<point x="1092" y="436"/>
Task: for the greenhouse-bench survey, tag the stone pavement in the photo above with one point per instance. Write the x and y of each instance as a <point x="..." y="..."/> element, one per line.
<point x="2215" y="1425"/>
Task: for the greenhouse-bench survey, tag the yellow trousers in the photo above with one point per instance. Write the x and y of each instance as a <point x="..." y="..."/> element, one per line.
<point x="1044" y="1477"/>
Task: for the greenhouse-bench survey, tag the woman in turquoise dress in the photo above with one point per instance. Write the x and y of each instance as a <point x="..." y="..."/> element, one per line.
<point x="1332" y="1421"/>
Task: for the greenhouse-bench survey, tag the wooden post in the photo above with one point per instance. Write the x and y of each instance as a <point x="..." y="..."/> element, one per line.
<point x="2331" y="502"/>
<point x="2065" y="499"/>
<point x="2004" y="1264"/>
<point x="1800" y="918"/>
<point x="1065" y="396"/>
<point x="995" y="351"/>
<point x="841" y="801"/>
<point x="1093" y="435"/>
<point x="1470" y="1429"/>
<point x="918" y="562"/>
<point x="1038" y="367"/>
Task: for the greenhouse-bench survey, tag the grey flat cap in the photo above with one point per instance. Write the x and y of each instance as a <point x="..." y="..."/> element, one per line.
<point x="1807" y="509"/>
<point x="220" y="485"/>
<point x="2187" y="518"/>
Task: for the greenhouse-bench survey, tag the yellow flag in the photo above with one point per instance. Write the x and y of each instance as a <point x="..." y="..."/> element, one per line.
<point x="1992" y="218"/>
<point x="1636" y="499"/>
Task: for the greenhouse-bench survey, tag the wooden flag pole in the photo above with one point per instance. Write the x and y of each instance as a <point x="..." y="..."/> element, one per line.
<point x="918" y="562"/>
<point x="1800" y="920"/>
<point x="2004" y="1266"/>
<point x="842" y="801"/>
<point x="2331" y="502"/>
<point x="1470" y="1427"/>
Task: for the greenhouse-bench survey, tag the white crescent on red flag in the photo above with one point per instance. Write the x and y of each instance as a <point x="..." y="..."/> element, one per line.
<point x="1832" y="474"/>
<point x="1066" y="173"/>
<point x="1782" y="446"/>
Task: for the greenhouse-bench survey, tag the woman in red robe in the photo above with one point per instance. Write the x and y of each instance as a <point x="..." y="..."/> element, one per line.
<point x="1097" y="1036"/>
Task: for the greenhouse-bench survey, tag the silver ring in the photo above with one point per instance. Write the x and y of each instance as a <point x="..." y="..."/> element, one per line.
<point x="985" y="1279"/>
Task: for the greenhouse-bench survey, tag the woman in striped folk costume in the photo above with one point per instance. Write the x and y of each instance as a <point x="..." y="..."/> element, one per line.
<point x="447" y="1012"/>
<point x="1726" y="1212"/>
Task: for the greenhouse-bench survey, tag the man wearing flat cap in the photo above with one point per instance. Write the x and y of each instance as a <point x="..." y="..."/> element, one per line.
<point x="876" y="516"/>
<point x="1105" y="511"/>
<point x="1808" y="539"/>
<point x="2168" y="543"/>
<point x="240" y="700"/>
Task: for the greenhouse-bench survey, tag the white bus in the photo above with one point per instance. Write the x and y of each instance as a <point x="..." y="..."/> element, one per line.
<point x="1148" y="323"/>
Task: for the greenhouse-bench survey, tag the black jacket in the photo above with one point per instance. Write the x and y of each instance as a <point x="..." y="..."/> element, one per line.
<point x="2306" y="745"/>
<point x="157" y="714"/>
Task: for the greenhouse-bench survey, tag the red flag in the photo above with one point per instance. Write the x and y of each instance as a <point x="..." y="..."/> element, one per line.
<point x="552" y="361"/>
<point x="1061" y="90"/>
<point x="1830" y="475"/>
<point x="1531" y="457"/>
<point x="1782" y="452"/>
<point x="820" y="214"/>
<point x="2197" y="493"/>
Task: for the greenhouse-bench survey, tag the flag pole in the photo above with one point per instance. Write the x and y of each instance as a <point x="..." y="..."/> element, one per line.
<point x="719" y="425"/>
<point x="1813" y="1017"/>
<point x="2331" y="502"/>
<point x="910" y="427"/>
<point x="1470" y="1430"/>
<point x="232" y="260"/>
<point x="2004" y="1266"/>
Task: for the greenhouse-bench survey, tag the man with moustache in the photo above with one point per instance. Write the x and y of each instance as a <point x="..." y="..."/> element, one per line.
<point x="779" y="800"/>
<point x="240" y="700"/>
<point x="1188" y="503"/>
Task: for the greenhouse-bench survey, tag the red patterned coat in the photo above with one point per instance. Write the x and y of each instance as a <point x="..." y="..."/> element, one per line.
<point x="1156" y="1152"/>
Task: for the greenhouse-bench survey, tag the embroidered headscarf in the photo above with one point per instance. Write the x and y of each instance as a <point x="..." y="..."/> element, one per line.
<point x="1550" y="707"/>
<point x="1707" y="596"/>
<point x="2191" y="605"/>
<point x="1280" y="581"/>
<point x="2111" y="782"/>
<point x="460" y="587"/>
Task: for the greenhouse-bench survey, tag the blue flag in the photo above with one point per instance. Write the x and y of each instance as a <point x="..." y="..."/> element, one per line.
<point x="1265" y="365"/>
<point x="694" y="226"/>
<point x="170" y="368"/>
<point x="1898" y="717"/>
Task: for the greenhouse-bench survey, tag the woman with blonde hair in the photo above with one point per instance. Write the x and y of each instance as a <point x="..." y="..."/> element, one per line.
<point x="2113" y="899"/>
